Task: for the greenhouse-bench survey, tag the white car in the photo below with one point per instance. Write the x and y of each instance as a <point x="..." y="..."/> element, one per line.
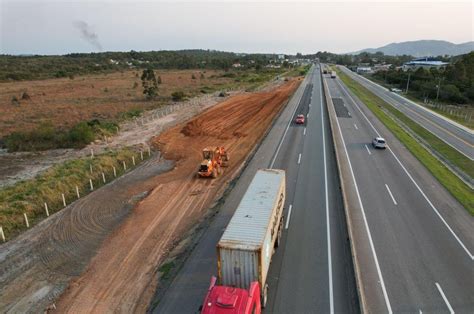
<point x="378" y="142"/>
<point x="395" y="90"/>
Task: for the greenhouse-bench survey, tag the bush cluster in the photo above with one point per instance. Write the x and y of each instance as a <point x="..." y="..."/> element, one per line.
<point x="48" y="137"/>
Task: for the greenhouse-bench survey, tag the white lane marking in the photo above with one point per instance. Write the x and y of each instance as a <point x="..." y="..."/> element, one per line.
<point x="355" y="126"/>
<point x="414" y="182"/>
<point x="286" y="131"/>
<point x="289" y="215"/>
<point x="299" y="159"/>
<point x="307" y="115"/>
<point x="391" y="195"/>
<point x="420" y="312"/>
<point x="444" y="298"/>
<point x="371" y="242"/>
<point x="328" y="228"/>
<point x="392" y="102"/>
<point x="368" y="150"/>
<point x="304" y="131"/>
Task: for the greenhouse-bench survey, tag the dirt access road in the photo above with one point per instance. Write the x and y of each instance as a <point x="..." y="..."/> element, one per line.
<point x="122" y="274"/>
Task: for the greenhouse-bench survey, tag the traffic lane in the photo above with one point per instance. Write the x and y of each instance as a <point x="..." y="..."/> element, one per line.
<point x="451" y="125"/>
<point x="311" y="277"/>
<point x="282" y="278"/>
<point x="450" y="211"/>
<point x="370" y="282"/>
<point x="418" y="262"/>
<point x="449" y="133"/>
<point x="403" y="103"/>
<point x="344" y="285"/>
<point x="188" y="289"/>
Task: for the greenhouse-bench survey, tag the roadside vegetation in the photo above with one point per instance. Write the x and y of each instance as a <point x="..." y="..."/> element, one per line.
<point x="28" y="197"/>
<point x="449" y="91"/>
<point x="449" y="180"/>
<point x="96" y="106"/>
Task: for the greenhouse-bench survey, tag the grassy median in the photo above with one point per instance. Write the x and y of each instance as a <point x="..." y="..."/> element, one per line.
<point x="29" y="196"/>
<point x="450" y="181"/>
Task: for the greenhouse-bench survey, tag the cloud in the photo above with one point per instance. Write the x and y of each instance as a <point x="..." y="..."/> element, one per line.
<point x="88" y="34"/>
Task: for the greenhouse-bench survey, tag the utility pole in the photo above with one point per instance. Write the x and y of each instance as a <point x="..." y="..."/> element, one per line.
<point x="437" y="93"/>
<point x="408" y="82"/>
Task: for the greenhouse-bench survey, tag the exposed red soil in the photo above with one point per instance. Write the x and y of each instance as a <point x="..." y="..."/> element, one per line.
<point x="121" y="277"/>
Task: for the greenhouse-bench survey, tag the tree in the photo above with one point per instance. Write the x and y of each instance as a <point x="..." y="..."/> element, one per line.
<point x="149" y="83"/>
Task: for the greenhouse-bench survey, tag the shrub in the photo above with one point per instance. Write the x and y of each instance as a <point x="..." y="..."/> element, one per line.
<point x="25" y="95"/>
<point x="15" y="100"/>
<point x="178" y="95"/>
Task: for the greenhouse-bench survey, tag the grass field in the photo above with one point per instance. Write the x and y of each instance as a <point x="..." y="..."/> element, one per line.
<point x="449" y="180"/>
<point x="57" y="106"/>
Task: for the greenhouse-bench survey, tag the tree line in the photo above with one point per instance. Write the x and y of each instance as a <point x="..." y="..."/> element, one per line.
<point x="70" y="65"/>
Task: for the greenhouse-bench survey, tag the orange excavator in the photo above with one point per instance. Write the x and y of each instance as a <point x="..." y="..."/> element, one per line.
<point x="213" y="161"/>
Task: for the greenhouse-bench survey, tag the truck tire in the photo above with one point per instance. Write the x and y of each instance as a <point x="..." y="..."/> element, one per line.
<point x="264" y="296"/>
<point x="214" y="173"/>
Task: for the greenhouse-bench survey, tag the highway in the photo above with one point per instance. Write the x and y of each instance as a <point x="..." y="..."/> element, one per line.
<point x="454" y="134"/>
<point x="312" y="269"/>
<point x="414" y="241"/>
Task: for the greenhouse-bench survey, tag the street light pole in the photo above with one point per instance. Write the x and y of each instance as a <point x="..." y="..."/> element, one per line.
<point x="408" y="82"/>
<point x="437" y="93"/>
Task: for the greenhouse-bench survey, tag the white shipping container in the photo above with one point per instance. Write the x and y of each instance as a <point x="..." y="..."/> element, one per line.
<point x="246" y="247"/>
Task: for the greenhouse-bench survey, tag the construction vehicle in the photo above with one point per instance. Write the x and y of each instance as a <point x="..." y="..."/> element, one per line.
<point x="245" y="250"/>
<point x="213" y="161"/>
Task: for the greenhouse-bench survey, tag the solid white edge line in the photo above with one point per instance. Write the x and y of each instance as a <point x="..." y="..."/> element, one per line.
<point x="289" y="215"/>
<point x="304" y="131"/>
<point x="391" y="102"/>
<point x="355" y="126"/>
<point x="413" y="180"/>
<point x="299" y="158"/>
<point x="286" y="130"/>
<point x="444" y="298"/>
<point x="391" y="195"/>
<point x="307" y="115"/>
<point x="328" y="229"/>
<point x="368" y="150"/>
<point x="371" y="242"/>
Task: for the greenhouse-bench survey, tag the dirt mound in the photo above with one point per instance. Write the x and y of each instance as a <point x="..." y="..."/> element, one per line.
<point x="122" y="276"/>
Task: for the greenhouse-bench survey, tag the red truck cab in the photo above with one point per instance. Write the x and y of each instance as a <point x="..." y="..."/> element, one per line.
<point x="230" y="300"/>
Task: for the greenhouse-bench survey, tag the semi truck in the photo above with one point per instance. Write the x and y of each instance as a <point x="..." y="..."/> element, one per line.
<point x="245" y="250"/>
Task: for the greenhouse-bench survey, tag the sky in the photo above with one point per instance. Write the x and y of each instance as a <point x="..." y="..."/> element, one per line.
<point x="60" y="27"/>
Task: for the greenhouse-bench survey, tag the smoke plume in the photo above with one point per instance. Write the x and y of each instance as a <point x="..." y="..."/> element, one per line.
<point x="88" y="34"/>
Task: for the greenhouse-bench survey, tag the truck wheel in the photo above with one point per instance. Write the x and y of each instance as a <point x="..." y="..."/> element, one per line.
<point x="264" y="296"/>
<point x="214" y="173"/>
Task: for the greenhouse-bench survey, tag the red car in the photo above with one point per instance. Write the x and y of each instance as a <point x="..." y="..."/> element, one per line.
<point x="299" y="119"/>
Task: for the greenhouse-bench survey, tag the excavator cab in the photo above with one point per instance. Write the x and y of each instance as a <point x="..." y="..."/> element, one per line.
<point x="207" y="153"/>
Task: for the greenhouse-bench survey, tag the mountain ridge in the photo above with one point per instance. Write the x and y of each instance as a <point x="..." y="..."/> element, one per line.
<point x="422" y="48"/>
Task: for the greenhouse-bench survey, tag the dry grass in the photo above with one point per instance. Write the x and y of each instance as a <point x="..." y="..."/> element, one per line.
<point x="29" y="196"/>
<point x="65" y="102"/>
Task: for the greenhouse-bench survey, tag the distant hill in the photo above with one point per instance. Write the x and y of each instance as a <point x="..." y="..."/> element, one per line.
<point x="422" y="48"/>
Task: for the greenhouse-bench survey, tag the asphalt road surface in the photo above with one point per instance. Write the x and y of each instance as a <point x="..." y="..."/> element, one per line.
<point x="421" y="240"/>
<point x="458" y="136"/>
<point x="312" y="269"/>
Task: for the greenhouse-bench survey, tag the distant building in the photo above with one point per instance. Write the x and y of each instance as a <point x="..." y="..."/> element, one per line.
<point x="364" y="69"/>
<point x="281" y="57"/>
<point x="425" y="63"/>
<point x="236" y="65"/>
<point x="381" y="67"/>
